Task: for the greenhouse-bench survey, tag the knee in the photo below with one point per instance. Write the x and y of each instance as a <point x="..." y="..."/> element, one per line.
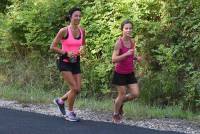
<point x="77" y="91"/>
<point x="136" y="95"/>
<point x="133" y="96"/>
<point x="78" y="88"/>
<point x="121" y="95"/>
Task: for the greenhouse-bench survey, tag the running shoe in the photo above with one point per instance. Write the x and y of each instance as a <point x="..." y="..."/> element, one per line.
<point x="116" y="118"/>
<point x="71" y="116"/>
<point x="61" y="107"/>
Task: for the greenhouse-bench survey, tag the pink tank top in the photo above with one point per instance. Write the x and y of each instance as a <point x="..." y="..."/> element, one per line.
<point x="126" y="65"/>
<point x="72" y="44"/>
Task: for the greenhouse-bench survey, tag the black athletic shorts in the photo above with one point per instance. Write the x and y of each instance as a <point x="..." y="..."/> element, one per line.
<point x="67" y="66"/>
<point x="124" y="79"/>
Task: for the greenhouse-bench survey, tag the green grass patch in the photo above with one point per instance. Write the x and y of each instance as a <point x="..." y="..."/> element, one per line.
<point x="133" y="110"/>
<point x="28" y="94"/>
<point x="94" y="104"/>
<point x="136" y="110"/>
<point x="141" y="111"/>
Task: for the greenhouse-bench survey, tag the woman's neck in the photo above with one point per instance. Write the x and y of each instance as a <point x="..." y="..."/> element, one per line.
<point x="126" y="38"/>
<point x="73" y="26"/>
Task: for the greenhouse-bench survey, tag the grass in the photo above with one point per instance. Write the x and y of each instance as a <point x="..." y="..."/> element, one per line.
<point x="28" y="95"/>
<point x="133" y="110"/>
<point x="136" y="110"/>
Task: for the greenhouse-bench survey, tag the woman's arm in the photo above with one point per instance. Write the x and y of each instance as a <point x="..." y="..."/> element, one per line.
<point x="116" y="57"/>
<point x="83" y="43"/>
<point x="54" y="45"/>
<point x="136" y="58"/>
<point x="82" y="48"/>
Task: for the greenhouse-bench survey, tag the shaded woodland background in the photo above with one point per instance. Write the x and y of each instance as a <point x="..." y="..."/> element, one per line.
<point x="167" y="33"/>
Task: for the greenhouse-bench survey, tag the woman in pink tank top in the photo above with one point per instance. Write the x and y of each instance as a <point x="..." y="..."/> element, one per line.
<point x="124" y="77"/>
<point x="72" y="39"/>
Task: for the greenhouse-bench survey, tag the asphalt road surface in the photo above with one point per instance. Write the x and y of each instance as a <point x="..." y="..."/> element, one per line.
<point x="20" y="122"/>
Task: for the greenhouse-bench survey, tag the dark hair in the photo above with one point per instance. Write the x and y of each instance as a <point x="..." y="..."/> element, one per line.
<point x="126" y="22"/>
<point x="71" y="11"/>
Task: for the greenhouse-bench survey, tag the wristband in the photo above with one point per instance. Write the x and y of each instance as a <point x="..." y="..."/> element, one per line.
<point x="135" y="58"/>
<point x="65" y="55"/>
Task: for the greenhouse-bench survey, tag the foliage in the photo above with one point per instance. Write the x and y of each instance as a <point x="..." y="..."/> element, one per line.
<point x="3" y="5"/>
<point x="166" y="33"/>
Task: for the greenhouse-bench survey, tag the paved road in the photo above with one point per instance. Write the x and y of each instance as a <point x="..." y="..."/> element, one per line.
<point x="18" y="122"/>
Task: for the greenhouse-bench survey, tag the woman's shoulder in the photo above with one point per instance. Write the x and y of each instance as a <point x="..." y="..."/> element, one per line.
<point x="63" y="32"/>
<point x="133" y="40"/>
<point x="119" y="40"/>
<point x="63" y="29"/>
<point x="118" y="43"/>
<point x="82" y="29"/>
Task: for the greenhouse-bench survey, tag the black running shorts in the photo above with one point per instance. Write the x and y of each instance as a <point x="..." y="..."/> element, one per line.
<point x="66" y="66"/>
<point x="124" y="79"/>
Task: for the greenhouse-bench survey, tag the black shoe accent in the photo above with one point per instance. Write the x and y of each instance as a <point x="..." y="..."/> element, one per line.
<point x="61" y="107"/>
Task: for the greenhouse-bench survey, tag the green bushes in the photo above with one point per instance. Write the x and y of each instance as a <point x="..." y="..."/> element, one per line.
<point x="166" y="32"/>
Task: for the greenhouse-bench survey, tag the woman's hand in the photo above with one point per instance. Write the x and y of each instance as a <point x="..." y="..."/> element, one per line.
<point x="81" y="51"/>
<point x="70" y="54"/>
<point x="139" y="58"/>
<point x="129" y="52"/>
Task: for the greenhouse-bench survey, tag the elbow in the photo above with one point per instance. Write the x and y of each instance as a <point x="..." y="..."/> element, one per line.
<point x="113" y="60"/>
<point x="51" y="48"/>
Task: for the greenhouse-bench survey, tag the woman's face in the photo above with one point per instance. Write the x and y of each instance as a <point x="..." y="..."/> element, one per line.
<point x="127" y="30"/>
<point x="76" y="17"/>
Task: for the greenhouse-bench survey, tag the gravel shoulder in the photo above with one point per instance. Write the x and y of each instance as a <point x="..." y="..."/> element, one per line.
<point x="86" y="114"/>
